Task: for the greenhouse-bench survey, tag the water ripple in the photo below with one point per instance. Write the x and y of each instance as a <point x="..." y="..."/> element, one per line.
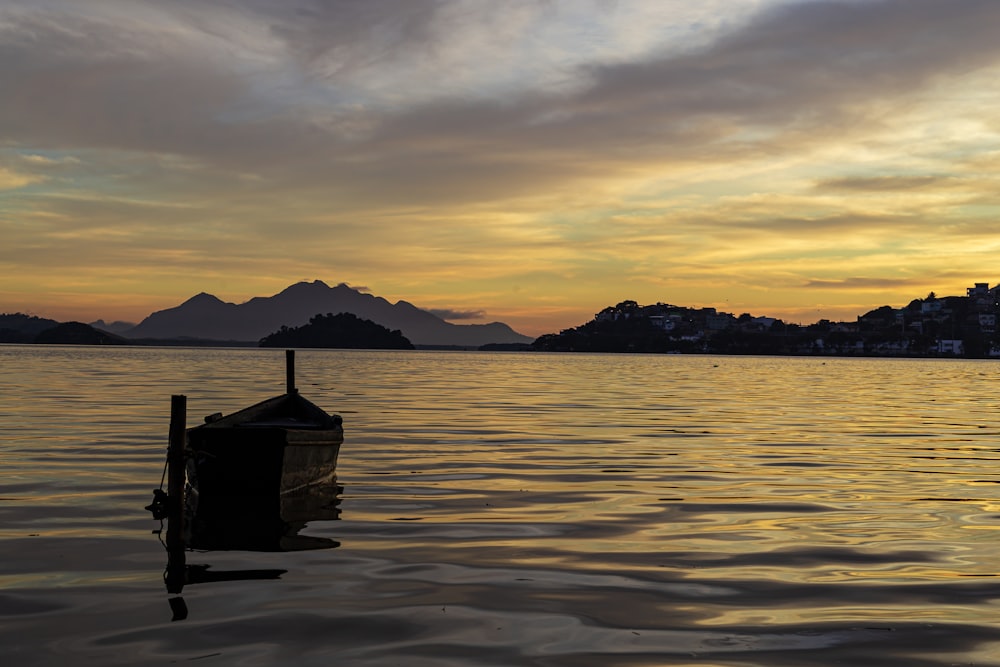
<point x="535" y="509"/>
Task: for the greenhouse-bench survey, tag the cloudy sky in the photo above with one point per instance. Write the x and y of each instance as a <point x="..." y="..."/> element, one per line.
<point x="529" y="161"/>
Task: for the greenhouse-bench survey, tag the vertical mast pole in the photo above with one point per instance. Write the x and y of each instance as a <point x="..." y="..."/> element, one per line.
<point x="290" y="372"/>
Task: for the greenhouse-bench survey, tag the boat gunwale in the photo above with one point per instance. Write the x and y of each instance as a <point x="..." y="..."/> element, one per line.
<point x="277" y="407"/>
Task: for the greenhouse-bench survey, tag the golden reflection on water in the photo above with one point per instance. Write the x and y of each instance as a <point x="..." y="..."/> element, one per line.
<point x="628" y="504"/>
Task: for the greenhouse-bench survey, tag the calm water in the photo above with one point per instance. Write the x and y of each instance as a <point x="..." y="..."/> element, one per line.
<point x="521" y="509"/>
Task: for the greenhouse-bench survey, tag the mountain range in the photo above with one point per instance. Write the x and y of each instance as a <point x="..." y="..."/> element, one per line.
<point x="205" y="316"/>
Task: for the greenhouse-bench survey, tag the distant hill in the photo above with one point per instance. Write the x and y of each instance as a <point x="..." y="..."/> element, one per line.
<point x="205" y="316"/>
<point x="78" y="333"/>
<point x="21" y="328"/>
<point x="116" y="327"/>
<point x="951" y="326"/>
<point x="344" y="331"/>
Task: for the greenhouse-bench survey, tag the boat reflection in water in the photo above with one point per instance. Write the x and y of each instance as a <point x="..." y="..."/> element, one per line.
<point x="242" y="524"/>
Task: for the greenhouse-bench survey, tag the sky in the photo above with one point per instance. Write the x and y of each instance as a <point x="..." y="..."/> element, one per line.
<point x="524" y="161"/>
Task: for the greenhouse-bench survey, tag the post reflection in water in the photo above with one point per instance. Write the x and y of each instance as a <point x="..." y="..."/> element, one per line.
<point x="241" y="524"/>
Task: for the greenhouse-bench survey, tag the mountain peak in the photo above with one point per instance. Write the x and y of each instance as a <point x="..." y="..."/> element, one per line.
<point x="206" y="316"/>
<point x="203" y="298"/>
<point x="306" y="288"/>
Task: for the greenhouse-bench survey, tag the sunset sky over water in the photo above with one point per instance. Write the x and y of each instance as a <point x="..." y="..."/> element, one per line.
<point x="524" y="161"/>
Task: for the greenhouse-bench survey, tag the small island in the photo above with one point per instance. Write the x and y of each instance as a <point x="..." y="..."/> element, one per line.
<point x="78" y="333"/>
<point x="27" y="329"/>
<point x="344" y="330"/>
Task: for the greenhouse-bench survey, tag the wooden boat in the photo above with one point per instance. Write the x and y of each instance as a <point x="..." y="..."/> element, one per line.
<point x="275" y="447"/>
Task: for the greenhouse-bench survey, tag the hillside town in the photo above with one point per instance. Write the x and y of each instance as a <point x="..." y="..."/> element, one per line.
<point x="951" y="326"/>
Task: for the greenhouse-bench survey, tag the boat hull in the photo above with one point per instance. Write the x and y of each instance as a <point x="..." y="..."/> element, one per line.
<point x="275" y="447"/>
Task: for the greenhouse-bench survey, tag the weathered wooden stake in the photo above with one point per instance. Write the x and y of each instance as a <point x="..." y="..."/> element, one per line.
<point x="290" y="372"/>
<point x="175" y="471"/>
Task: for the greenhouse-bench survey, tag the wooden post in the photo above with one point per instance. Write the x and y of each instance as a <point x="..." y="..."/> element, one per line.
<point x="175" y="475"/>
<point x="290" y="372"/>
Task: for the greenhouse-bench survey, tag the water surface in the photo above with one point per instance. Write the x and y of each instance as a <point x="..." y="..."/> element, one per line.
<point x="521" y="509"/>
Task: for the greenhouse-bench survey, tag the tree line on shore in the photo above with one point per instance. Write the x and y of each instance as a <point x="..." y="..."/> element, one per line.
<point x="931" y="327"/>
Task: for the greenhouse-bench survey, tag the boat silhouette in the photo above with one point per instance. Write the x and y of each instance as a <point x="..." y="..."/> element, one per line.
<point x="250" y="481"/>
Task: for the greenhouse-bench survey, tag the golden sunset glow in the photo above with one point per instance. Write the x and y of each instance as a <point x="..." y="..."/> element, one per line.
<point x="528" y="162"/>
